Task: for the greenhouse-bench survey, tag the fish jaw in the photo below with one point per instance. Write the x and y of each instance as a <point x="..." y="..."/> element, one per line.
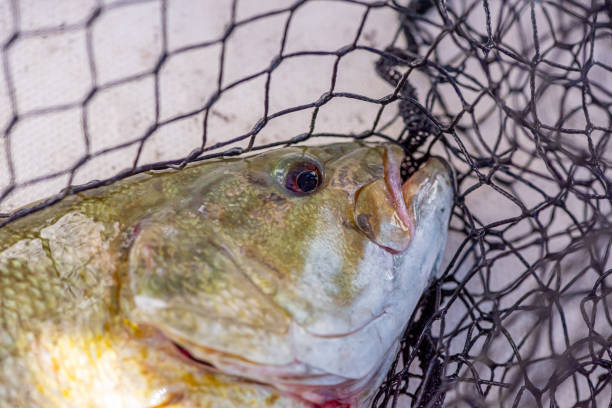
<point x="306" y="385"/>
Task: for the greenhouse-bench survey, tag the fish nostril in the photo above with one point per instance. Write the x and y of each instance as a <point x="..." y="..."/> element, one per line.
<point x="363" y="222"/>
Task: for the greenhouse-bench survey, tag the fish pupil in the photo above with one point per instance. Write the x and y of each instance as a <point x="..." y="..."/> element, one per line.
<point x="303" y="177"/>
<point x="307" y="181"/>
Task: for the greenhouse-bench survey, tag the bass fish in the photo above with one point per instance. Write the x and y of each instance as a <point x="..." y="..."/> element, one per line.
<point x="283" y="279"/>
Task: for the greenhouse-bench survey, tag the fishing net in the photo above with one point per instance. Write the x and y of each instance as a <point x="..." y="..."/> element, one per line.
<point x="515" y="94"/>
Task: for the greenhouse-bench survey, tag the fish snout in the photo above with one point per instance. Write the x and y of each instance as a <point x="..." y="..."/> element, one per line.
<point x="376" y="215"/>
<point x="387" y="211"/>
<point x="380" y="209"/>
<point x="429" y="192"/>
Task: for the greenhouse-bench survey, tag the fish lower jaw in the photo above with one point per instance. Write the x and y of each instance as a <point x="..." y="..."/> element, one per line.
<point x="310" y="386"/>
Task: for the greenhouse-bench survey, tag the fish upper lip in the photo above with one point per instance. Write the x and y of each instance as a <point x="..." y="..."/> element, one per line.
<point x="396" y="235"/>
<point x="394" y="184"/>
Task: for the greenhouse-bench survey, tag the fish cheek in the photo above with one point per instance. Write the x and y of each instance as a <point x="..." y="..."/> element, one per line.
<point x="188" y="286"/>
<point x="321" y="258"/>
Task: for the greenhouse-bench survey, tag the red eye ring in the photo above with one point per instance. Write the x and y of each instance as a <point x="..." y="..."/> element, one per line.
<point x="304" y="178"/>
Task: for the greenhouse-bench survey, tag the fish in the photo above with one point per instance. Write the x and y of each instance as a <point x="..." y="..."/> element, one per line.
<point x="281" y="279"/>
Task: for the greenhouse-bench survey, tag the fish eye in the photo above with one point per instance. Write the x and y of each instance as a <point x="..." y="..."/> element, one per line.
<point x="303" y="177"/>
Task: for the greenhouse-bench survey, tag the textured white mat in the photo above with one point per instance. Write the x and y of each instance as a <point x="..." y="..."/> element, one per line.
<point x="52" y="73"/>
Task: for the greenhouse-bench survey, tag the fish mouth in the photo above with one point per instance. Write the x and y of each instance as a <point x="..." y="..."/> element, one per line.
<point x="381" y="208"/>
<point x="295" y="379"/>
<point x="185" y="353"/>
<point x="387" y="211"/>
<point x="297" y="385"/>
<point x="194" y="352"/>
<point x="406" y="195"/>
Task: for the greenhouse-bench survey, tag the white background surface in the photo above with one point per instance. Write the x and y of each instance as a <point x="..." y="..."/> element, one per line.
<point x="50" y="69"/>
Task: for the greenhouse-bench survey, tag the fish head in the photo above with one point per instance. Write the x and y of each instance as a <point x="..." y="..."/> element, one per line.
<point x="298" y="267"/>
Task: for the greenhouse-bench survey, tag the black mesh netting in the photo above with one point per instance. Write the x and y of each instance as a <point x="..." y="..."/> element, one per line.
<point x="516" y="95"/>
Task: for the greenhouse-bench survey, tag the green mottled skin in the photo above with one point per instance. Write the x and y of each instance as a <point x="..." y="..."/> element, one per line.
<point x="93" y="288"/>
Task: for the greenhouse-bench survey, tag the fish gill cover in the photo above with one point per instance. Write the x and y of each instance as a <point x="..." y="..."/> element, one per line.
<point x="515" y="94"/>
